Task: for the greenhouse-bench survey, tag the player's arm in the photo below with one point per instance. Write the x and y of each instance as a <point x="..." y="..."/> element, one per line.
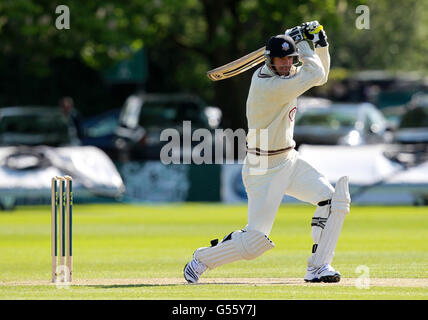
<point x="310" y="74"/>
<point x="324" y="56"/>
<point x="315" y="32"/>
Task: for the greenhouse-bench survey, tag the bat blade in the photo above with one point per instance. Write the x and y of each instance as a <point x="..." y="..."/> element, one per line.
<point x="237" y="66"/>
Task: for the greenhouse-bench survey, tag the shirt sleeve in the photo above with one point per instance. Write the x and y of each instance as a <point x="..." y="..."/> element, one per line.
<point x="324" y="56"/>
<point x="310" y="74"/>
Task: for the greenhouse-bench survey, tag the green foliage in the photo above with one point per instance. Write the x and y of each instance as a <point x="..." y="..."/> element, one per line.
<point x="185" y="38"/>
<point x="396" y="39"/>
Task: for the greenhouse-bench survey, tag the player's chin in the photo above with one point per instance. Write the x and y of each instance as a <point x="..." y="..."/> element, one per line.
<point x="285" y="72"/>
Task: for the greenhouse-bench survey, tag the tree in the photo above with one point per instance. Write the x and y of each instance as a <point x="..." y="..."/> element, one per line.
<point x="213" y="33"/>
<point x="396" y="39"/>
<point x="185" y="38"/>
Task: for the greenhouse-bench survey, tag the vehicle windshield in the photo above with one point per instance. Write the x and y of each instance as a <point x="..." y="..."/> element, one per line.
<point x="334" y="119"/>
<point x="35" y="128"/>
<point x="164" y="114"/>
<point x="416" y="118"/>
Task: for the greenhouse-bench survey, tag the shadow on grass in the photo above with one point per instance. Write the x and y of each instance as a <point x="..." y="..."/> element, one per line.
<point x="144" y="285"/>
<point x="122" y="286"/>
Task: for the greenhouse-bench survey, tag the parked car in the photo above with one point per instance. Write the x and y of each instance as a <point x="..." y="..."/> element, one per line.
<point x="383" y="88"/>
<point x="145" y="116"/>
<point x="342" y="123"/>
<point x="37" y="143"/>
<point x="34" y="125"/>
<point x="413" y="126"/>
<point x="100" y="131"/>
<point x="306" y="102"/>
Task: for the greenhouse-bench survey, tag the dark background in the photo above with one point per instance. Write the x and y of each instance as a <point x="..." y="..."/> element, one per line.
<point x="181" y="40"/>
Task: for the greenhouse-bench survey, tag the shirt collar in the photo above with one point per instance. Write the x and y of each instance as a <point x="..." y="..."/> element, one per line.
<point x="267" y="71"/>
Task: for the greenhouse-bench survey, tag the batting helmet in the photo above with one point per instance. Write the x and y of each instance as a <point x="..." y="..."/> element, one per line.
<point x="280" y="46"/>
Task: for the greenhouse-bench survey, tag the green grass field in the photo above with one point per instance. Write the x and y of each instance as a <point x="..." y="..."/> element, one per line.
<point x="138" y="252"/>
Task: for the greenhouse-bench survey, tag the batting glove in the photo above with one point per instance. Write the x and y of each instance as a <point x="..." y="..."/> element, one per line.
<point x="296" y="34"/>
<point x="313" y="31"/>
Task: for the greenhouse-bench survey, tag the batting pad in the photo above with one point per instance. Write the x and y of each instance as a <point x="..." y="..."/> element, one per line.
<point x="241" y="245"/>
<point x="319" y="221"/>
<point x="340" y="207"/>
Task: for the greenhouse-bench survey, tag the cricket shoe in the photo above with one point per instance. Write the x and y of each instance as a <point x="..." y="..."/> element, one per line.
<point x="325" y="273"/>
<point x="193" y="270"/>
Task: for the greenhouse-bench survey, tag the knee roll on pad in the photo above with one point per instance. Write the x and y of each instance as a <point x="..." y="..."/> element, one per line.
<point x="238" y="245"/>
<point x="341" y="200"/>
<point x="253" y="243"/>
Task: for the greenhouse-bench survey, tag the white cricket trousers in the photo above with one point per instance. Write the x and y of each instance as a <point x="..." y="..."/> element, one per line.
<point x="294" y="177"/>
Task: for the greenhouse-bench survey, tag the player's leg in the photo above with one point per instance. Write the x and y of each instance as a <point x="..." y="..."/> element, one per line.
<point x="265" y="193"/>
<point x="332" y="206"/>
<point x="339" y="207"/>
<point x="238" y="245"/>
<point x="309" y="185"/>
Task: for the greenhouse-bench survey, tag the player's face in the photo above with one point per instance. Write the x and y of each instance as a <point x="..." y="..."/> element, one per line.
<point x="283" y="65"/>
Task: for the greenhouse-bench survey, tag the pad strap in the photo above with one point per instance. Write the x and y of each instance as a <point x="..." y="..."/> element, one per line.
<point x="324" y="203"/>
<point x="319" y="222"/>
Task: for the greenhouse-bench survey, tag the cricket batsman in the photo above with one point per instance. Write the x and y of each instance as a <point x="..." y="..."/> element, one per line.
<point x="272" y="166"/>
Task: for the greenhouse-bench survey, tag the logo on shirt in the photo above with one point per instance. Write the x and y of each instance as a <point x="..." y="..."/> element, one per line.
<point x="292" y="114"/>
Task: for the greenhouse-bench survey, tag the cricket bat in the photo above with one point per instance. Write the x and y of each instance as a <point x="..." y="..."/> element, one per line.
<point x="237" y="66"/>
<point x="254" y="58"/>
